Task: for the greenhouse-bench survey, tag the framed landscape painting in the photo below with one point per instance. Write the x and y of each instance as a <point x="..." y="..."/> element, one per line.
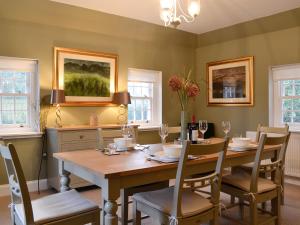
<point x="230" y="82"/>
<point x="88" y="78"/>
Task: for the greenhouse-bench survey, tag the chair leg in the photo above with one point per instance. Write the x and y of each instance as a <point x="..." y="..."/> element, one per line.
<point x="136" y="214"/>
<point x="103" y="212"/>
<point x="253" y="213"/>
<point x="97" y="219"/>
<point x="276" y="204"/>
<point x="232" y="199"/>
<point x="215" y="220"/>
<point x="282" y="193"/>
<point x="124" y="207"/>
<point x="241" y="208"/>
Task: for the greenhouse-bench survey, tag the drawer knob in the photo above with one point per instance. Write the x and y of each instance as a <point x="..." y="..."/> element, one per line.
<point x="81" y="136"/>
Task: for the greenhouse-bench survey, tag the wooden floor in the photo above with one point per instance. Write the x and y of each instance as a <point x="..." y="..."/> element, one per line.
<point x="290" y="211"/>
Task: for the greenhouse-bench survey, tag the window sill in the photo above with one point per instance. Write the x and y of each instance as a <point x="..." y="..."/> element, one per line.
<point x="18" y="135"/>
<point x="148" y="128"/>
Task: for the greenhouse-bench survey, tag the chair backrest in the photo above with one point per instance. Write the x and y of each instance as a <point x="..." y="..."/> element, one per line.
<point x="17" y="183"/>
<point x="214" y="179"/>
<point x="265" y="140"/>
<point x="271" y="131"/>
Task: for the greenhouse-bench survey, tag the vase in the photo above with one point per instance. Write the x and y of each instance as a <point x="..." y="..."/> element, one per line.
<point x="183" y="125"/>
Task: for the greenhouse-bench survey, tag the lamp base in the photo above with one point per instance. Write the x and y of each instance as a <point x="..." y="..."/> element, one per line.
<point x="122" y="116"/>
<point x="58" y="122"/>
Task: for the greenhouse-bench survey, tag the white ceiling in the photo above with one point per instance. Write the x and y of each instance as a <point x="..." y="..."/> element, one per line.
<point x="214" y="14"/>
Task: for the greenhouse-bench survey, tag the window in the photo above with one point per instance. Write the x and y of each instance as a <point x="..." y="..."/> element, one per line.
<point x="144" y="87"/>
<point x="19" y="88"/>
<point x="286" y="96"/>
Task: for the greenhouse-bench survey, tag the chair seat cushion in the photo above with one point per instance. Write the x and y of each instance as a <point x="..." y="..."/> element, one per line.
<point x="243" y="180"/>
<point x="57" y="206"/>
<point x="162" y="200"/>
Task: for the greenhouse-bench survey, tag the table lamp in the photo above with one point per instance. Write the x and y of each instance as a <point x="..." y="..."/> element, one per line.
<point x="57" y="97"/>
<point x="122" y="99"/>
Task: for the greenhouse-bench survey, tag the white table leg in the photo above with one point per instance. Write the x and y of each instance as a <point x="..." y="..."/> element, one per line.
<point x="64" y="178"/>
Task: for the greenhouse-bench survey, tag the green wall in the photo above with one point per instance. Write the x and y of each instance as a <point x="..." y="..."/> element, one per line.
<point x="269" y="49"/>
<point x="31" y="28"/>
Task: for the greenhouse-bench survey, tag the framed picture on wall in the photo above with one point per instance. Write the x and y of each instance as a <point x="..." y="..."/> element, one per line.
<point x="230" y="82"/>
<point x="88" y="78"/>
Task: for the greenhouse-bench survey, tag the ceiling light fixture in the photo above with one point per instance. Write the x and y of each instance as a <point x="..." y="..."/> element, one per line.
<point x="172" y="12"/>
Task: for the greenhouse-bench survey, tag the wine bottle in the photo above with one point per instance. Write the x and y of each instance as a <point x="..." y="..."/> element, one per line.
<point x="193" y="130"/>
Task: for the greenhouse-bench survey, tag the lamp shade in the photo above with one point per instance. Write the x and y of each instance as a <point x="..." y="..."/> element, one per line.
<point x="57" y="96"/>
<point x="121" y="98"/>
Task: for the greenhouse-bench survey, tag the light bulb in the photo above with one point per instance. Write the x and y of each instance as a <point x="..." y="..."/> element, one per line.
<point x="165" y="15"/>
<point x="166" y="4"/>
<point x="194" y="8"/>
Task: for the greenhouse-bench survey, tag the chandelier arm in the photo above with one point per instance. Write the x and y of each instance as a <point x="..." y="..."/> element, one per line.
<point x="183" y="12"/>
<point x="187" y="20"/>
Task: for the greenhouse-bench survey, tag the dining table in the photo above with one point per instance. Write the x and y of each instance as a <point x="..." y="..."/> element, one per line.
<point x="133" y="168"/>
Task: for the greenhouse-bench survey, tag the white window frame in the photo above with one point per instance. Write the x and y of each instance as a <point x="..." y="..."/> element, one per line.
<point x="33" y="126"/>
<point x="276" y="75"/>
<point x="155" y="77"/>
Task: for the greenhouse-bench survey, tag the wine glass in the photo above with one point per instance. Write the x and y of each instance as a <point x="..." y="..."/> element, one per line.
<point x="203" y="127"/>
<point x="127" y="131"/>
<point x="163" y="132"/>
<point x="226" y="127"/>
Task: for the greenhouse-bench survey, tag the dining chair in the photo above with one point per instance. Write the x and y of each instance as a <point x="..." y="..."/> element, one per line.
<point x="104" y="138"/>
<point x="254" y="189"/>
<point x="57" y="209"/>
<point x="270" y="131"/>
<point x="179" y="204"/>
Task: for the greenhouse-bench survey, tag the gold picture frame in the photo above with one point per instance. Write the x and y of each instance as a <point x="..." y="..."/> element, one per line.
<point x="230" y="82"/>
<point x="88" y="78"/>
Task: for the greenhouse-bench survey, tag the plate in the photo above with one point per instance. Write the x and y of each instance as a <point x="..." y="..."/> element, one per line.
<point x="239" y="148"/>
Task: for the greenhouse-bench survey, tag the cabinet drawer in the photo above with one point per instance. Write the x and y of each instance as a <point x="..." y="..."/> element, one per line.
<point x="70" y="136"/>
<point x="78" y="145"/>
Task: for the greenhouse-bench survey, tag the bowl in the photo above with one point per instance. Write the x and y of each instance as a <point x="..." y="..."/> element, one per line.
<point x="123" y="143"/>
<point x="240" y="141"/>
<point x="172" y="150"/>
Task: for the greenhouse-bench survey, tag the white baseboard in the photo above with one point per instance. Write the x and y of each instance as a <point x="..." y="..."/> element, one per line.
<point x="32" y="186"/>
<point x="292" y="180"/>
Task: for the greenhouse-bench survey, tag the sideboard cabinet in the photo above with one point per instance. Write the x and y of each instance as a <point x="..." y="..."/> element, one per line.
<point x="71" y="139"/>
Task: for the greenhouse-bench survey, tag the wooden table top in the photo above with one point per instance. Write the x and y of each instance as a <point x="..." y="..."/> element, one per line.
<point x="135" y="162"/>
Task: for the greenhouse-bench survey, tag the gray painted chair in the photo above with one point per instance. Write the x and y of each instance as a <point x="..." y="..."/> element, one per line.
<point x="270" y="131"/>
<point x="179" y="204"/>
<point x="62" y="208"/>
<point x="104" y="138"/>
<point x="254" y="189"/>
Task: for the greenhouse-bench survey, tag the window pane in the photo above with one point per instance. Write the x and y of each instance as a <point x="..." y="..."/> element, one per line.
<point x="297" y="90"/>
<point x="296" y="117"/>
<point x="21" y="117"/>
<point x="146" y="105"/>
<point x="297" y="82"/>
<point x="138" y="109"/>
<point x="287" y="117"/>
<point x="20" y="82"/>
<point x="287" y="104"/>
<point x="21" y="103"/>
<point x="147" y="115"/>
<point x="7" y="117"/>
<point x="285" y="82"/>
<point x="137" y="92"/>
<point x="8" y="103"/>
<point x="296" y="104"/>
<point x="287" y="90"/>
<point x="130" y="112"/>
<point x="7" y="82"/>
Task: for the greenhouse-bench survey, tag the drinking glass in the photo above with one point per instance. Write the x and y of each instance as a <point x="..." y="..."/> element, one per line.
<point x="203" y="127"/>
<point x="163" y="132"/>
<point x="226" y="127"/>
<point x="127" y="131"/>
